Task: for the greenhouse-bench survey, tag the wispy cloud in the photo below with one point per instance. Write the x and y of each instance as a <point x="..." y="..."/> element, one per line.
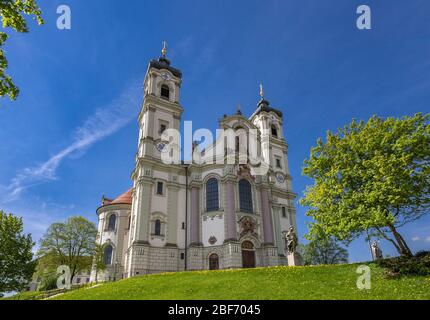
<point x="417" y="238"/>
<point x="104" y="122"/>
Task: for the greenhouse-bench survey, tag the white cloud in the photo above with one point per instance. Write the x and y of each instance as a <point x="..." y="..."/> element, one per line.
<point x="416" y="238"/>
<point x="104" y="122"/>
<point x="428" y="239"/>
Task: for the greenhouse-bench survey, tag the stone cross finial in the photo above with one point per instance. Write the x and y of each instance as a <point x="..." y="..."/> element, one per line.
<point x="164" y="50"/>
<point x="238" y="109"/>
<point x="261" y="91"/>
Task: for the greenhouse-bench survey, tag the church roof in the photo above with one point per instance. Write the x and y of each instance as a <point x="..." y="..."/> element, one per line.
<point x="163" y="63"/>
<point x="263" y="105"/>
<point x="125" y="198"/>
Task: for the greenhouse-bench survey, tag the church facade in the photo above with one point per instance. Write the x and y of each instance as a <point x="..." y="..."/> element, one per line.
<point x="197" y="216"/>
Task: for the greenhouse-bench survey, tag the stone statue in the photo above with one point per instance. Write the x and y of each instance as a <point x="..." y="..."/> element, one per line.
<point x="291" y="240"/>
<point x="376" y="251"/>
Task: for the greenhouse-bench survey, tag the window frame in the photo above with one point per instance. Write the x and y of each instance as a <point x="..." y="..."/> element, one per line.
<point x="157" y="225"/>
<point x="108" y="224"/>
<point x="278" y="162"/>
<point x="158" y="183"/>
<point x="163" y="90"/>
<point x="212" y="195"/>
<point x="274" y="131"/>
<point x="111" y="254"/>
<point x="284" y="212"/>
<point x="246" y="201"/>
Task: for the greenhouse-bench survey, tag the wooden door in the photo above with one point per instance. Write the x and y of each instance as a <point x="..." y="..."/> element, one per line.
<point x="213" y="262"/>
<point x="248" y="254"/>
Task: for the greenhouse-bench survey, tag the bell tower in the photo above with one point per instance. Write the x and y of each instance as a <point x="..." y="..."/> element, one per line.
<point x="269" y="121"/>
<point x="155" y="184"/>
<point x="161" y="108"/>
<point x="275" y="151"/>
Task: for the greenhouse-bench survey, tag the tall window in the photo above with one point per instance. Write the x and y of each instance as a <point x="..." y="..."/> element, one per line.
<point x="165" y="92"/>
<point x="212" y="195"/>
<point x="157" y="227"/>
<point x="111" y="222"/>
<point x="107" y="256"/>
<point x="284" y="212"/>
<point x="159" y="188"/>
<point x="274" y="131"/>
<point x="245" y="196"/>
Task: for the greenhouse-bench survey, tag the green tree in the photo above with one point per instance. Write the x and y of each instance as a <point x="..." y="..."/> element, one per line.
<point x="12" y="15"/>
<point x="71" y="243"/>
<point x="370" y="176"/>
<point x="16" y="258"/>
<point x="98" y="260"/>
<point x="324" y="250"/>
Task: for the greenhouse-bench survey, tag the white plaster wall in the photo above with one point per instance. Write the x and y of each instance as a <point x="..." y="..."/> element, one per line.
<point x="285" y="223"/>
<point x="157" y="242"/>
<point x="181" y="218"/>
<point x="213" y="226"/>
<point x="163" y="175"/>
<point x="159" y="203"/>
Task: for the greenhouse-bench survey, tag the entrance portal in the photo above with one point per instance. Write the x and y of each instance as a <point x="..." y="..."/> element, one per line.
<point x="248" y="254"/>
<point x="213" y="262"/>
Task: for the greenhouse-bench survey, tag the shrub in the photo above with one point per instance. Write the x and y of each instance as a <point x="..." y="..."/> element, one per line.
<point x="416" y="265"/>
<point x="422" y="254"/>
<point x="48" y="283"/>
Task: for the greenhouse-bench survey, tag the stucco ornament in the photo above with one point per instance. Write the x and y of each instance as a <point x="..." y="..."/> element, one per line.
<point x="244" y="171"/>
<point x="212" y="240"/>
<point x="248" y="225"/>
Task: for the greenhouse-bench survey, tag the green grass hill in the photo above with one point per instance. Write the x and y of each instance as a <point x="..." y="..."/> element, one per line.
<point x="313" y="282"/>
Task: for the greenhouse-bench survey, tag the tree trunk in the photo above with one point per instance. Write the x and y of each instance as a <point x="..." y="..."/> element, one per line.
<point x="402" y="246"/>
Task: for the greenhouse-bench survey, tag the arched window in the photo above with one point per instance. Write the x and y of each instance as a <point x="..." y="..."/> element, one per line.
<point x="157" y="227"/>
<point x="107" y="255"/>
<point x="213" y="262"/>
<point x="165" y="92"/>
<point x="245" y="196"/>
<point x="274" y="131"/>
<point x="212" y="195"/>
<point x="111" y="222"/>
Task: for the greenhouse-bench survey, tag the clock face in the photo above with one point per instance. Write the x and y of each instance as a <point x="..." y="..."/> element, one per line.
<point x="165" y="76"/>
<point x="280" y="177"/>
<point x="160" y="146"/>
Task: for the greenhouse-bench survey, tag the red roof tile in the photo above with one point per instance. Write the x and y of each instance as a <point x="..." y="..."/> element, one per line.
<point x="125" y="198"/>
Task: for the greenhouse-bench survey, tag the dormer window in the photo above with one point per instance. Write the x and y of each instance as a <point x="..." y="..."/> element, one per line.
<point x="165" y="92"/>
<point x="274" y="132"/>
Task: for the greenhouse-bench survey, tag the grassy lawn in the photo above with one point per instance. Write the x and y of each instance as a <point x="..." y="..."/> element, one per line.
<point x="317" y="282"/>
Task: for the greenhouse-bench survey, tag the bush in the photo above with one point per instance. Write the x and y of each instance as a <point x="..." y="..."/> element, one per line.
<point x="48" y="283"/>
<point x="416" y="265"/>
<point x="422" y="254"/>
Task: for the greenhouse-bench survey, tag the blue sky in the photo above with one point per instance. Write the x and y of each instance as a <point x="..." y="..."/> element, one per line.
<point x="72" y="134"/>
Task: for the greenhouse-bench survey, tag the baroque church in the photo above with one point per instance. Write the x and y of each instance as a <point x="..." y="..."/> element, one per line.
<point x="197" y="216"/>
